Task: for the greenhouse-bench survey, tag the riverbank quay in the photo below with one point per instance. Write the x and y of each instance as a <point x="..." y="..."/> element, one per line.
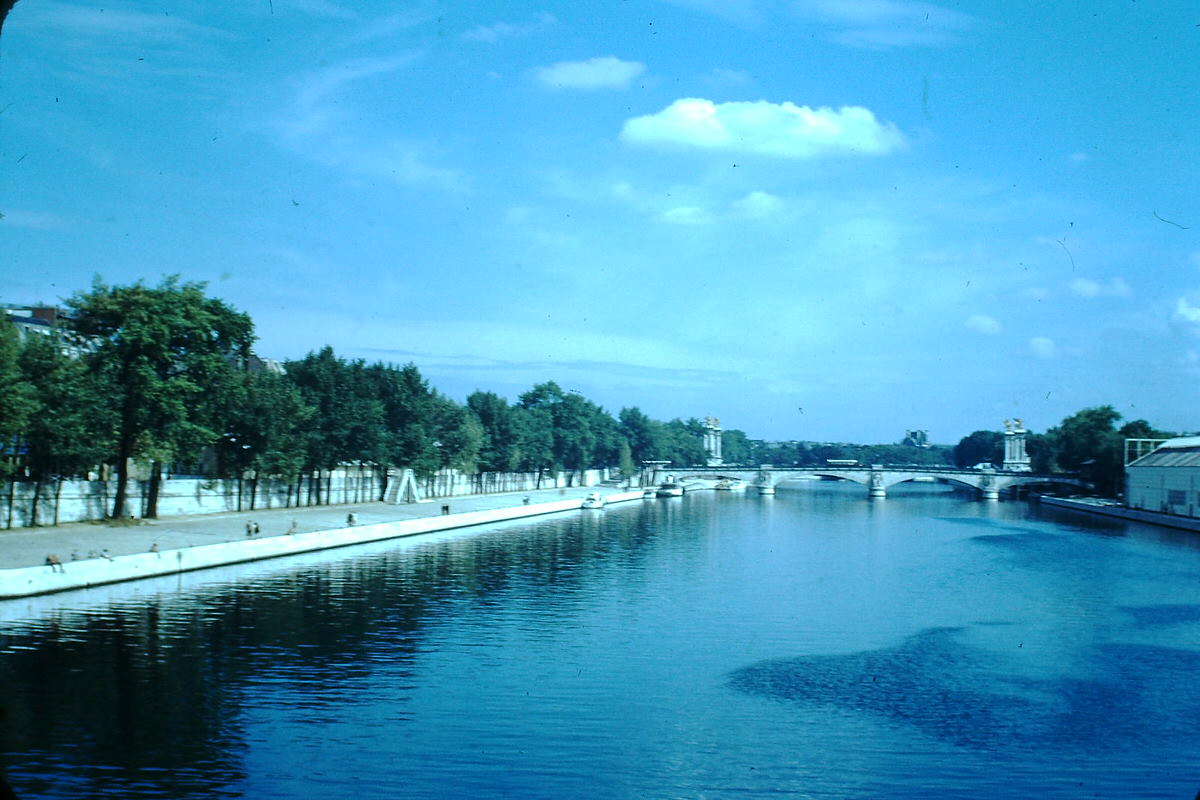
<point x="1109" y="508"/>
<point x="37" y="561"/>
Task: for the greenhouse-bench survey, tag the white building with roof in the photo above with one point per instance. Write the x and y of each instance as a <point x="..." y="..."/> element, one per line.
<point x="1166" y="480"/>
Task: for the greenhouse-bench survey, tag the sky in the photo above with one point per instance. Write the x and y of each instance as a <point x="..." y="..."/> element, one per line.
<point x="828" y="220"/>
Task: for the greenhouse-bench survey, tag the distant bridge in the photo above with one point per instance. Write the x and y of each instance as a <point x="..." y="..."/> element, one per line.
<point x="878" y="478"/>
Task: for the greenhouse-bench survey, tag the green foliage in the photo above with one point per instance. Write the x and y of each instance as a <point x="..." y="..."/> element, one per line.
<point x="164" y="356"/>
<point x="1087" y="443"/>
<point x="583" y="436"/>
<point x="72" y="426"/>
<point x="978" y="448"/>
<point x="501" y="448"/>
<point x="735" y="447"/>
<point x="266" y="427"/>
<point x="17" y="402"/>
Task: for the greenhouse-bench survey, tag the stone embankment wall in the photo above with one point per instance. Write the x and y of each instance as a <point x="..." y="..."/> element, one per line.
<point x="81" y="501"/>
<point x="27" y="581"/>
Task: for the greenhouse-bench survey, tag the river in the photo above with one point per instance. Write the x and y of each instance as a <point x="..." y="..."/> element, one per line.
<point x="816" y="644"/>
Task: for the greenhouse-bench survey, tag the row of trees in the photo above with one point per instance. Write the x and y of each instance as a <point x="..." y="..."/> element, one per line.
<point x="160" y="374"/>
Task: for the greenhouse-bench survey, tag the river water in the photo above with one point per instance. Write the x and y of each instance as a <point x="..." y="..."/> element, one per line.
<point x="816" y="644"/>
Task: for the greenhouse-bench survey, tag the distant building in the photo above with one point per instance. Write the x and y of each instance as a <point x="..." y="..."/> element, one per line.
<point x="916" y="439"/>
<point x="1166" y="480"/>
<point x="41" y="320"/>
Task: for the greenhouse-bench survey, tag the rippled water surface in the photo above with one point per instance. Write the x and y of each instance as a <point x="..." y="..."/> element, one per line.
<point x="814" y="644"/>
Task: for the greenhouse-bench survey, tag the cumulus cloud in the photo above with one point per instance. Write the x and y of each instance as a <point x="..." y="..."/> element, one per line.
<point x="1089" y="288"/>
<point x="776" y="129"/>
<point x="1043" y="347"/>
<point x="607" y="72"/>
<point x="982" y="323"/>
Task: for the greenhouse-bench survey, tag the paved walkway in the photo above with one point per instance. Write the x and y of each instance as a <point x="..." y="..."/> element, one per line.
<point x="28" y="547"/>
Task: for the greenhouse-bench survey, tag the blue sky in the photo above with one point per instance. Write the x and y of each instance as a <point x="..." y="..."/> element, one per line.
<point x="815" y="219"/>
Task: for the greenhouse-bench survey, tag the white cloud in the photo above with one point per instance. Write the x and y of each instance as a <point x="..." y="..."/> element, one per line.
<point x="982" y="323"/>
<point x="758" y="205"/>
<point x="507" y="30"/>
<point x="884" y="24"/>
<point x="321" y="126"/>
<point x="607" y="72"/>
<point x="776" y="129"/>
<point x="1043" y="347"/>
<point x="1187" y="312"/>
<point x="34" y="220"/>
<point x="728" y="77"/>
<point x="1084" y="287"/>
<point x="687" y="215"/>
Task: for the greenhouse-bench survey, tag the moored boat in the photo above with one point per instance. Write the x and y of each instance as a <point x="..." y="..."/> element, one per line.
<point x="593" y="500"/>
<point x="669" y="489"/>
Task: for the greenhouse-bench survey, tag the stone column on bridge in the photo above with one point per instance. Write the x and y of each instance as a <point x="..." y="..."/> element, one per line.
<point x="764" y="484"/>
<point x="712" y="441"/>
<point x="1015" y="457"/>
<point x="875" y="485"/>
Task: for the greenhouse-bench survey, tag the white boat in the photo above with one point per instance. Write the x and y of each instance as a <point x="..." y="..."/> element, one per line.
<point x="730" y="485"/>
<point x="593" y="500"/>
<point x="648" y="494"/>
<point x="670" y="489"/>
<point x="766" y="489"/>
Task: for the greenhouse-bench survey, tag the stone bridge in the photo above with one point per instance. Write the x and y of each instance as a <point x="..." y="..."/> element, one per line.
<point x="877" y="478"/>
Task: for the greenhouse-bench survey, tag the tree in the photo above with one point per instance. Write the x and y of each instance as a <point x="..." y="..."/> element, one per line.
<point x="979" y="447"/>
<point x="265" y="429"/>
<point x="1088" y="443"/>
<point x="643" y="434"/>
<point x="408" y="418"/>
<point x="72" y="425"/>
<point x="163" y="355"/>
<point x="536" y="428"/>
<point x="501" y="447"/>
<point x="347" y="423"/>
<point x="735" y="447"/>
<point x="17" y="402"/>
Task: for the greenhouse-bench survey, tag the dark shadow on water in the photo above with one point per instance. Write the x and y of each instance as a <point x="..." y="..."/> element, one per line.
<point x="1157" y="616"/>
<point x="1134" y="696"/>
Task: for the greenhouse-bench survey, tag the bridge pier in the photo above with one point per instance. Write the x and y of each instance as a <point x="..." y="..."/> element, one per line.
<point x="875" y="485"/>
<point x="988" y="490"/>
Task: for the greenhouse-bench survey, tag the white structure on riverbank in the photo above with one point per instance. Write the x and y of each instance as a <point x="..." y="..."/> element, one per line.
<point x="1166" y="480"/>
<point x="1015" y="457"/>
<point x="712" y="441"/>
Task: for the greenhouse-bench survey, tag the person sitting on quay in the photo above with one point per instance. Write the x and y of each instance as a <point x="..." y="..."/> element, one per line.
<point x="351" y="519"/>
<point x="55" y="565"/>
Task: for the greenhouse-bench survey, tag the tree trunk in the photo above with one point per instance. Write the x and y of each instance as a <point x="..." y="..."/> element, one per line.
<point x="11" y="498"/>
<point x="33" y="506"/>
<point x="152" y="492"/>
<point x="124" y="450"/>
<point x="57" y="498"/>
